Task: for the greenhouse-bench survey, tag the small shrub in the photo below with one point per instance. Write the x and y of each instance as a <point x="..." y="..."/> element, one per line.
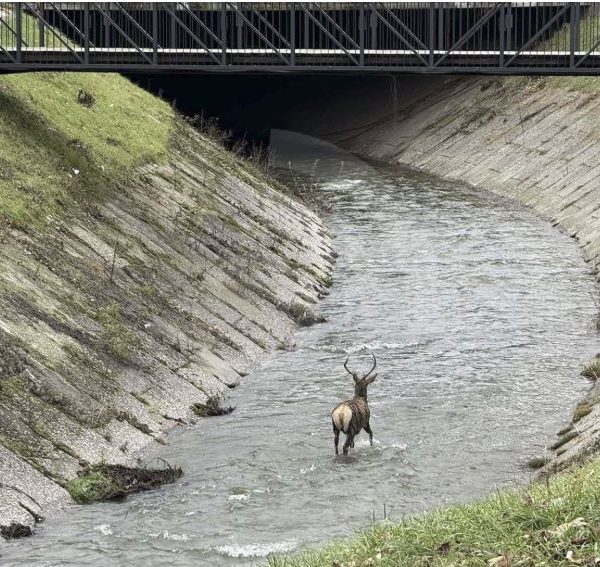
<point x="211" y="408"/>
<point x="592" y="369"/>
<point x="86" y="99"/>
<point x="304" y="316"/>
<point x="537" y="462"/>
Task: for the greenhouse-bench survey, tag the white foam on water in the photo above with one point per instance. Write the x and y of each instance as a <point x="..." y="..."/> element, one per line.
<point x="174" y="537"/>
<point x="367" y="347"/>
<point x="305" y="470"/>
<point x="256" y="549"/>
<point x="239" y="497"/>
<point x="104" y="529"/>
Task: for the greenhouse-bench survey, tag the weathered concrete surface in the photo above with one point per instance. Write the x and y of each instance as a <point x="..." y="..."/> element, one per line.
<point x="114" y="323"/>
<point x="533" y="140"/>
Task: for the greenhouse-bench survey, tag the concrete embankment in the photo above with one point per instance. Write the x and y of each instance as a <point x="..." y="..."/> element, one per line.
<point x="136" y="281"/>
<point x="534" y="140"/>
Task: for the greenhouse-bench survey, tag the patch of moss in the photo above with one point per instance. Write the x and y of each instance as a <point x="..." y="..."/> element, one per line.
<point x="564" y="439"/>
<point x="581" y="410"/>
<point x="92" y="487"/>
<point x="121" y="342"/>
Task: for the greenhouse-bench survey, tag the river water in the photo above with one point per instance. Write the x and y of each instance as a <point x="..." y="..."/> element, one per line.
<point x="480" y="316"/>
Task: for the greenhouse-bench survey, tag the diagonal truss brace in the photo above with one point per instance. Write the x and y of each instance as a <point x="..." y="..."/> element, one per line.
<point x="122" y="32"/>
<point x="50" y="28"/>
<point x="259" y="34"/>
<point x="472" y="31"/>
<point x="539" y="34"/>
<point x="403" y="27"/>
<point x="187" y="30"/>
<point x="329" y="35"/>
<point x="66" y="20"/>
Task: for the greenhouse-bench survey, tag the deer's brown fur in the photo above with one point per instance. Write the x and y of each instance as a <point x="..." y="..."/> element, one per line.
<point x="351" y="416"/>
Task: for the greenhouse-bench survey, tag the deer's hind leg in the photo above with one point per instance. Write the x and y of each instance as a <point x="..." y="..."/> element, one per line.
<point x="349" y="442"/>
<point x="336" y="439"/>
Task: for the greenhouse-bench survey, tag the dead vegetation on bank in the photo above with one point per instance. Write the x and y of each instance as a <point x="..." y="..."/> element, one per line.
<point x="103" y="482"/>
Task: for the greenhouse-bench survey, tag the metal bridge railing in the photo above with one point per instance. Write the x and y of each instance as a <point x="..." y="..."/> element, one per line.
<point x="410" y="36"/>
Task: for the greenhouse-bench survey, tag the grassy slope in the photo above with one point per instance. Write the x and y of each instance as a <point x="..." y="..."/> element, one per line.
<point x="55" y="152"/>
<point x="554" y="523"/>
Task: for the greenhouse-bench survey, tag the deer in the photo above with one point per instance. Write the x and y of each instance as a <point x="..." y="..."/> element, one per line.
<point x="353" y="415"/>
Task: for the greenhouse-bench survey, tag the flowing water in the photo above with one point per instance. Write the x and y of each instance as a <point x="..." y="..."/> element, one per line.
<point x="480" y="316"/>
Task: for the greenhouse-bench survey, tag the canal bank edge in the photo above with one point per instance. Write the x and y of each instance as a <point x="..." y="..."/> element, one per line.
<point x="533" y="140"/>
<point x="143" y="270"/>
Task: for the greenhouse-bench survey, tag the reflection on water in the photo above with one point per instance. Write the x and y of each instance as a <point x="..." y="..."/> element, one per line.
<point x="480" y="316"/>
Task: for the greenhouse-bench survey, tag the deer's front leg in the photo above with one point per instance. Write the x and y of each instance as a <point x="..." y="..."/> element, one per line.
<point x="367" y="428"/>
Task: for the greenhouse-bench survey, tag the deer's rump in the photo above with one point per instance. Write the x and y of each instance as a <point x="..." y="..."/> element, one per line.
<point x="349" y="415"/>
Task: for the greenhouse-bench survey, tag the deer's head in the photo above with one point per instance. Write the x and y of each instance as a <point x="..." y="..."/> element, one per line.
<point x="361" y="384"/>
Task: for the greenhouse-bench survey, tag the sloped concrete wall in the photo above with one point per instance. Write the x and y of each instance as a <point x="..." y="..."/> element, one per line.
<point x="114" y="323"/>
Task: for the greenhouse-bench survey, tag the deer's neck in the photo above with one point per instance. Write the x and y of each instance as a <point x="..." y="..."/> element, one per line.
<point x="361" y="397"/>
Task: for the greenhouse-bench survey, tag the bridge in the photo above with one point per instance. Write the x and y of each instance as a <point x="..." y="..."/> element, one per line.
<point x="274" y="37"/>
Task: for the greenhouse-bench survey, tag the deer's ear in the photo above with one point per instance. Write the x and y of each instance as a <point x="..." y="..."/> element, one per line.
<point x="371" y="379"/>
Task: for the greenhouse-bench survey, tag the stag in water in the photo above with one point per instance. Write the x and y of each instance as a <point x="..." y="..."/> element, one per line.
<point x="353" y="415"/>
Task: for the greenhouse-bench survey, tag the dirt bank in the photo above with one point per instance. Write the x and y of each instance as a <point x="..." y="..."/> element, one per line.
<point x="143" y="270"/>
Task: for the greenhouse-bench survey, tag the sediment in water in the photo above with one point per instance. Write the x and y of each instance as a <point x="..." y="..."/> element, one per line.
<point x="120" y="314"/>
<point x="534" y="140"/>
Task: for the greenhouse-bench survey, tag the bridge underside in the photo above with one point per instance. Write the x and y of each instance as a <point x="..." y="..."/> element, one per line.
<point x="498" y="38"/>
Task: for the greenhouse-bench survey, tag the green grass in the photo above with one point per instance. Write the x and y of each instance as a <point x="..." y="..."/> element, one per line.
<point x="93" y="487"/>
<point x="55" y="152"/>
<point x="528" y="527"/>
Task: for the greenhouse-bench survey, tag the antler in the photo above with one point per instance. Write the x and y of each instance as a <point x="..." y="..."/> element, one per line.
<point x="346" y="366"/>
<point x="374" y="365"/>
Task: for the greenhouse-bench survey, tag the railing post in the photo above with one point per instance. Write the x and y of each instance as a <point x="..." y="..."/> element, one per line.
<point x="292" y="35"/>
<point x="361" y="34"/>
<point x="239" y="27"/>
<point x="19" y="29"/>
<point x="575" y="20"/>
<point x="106" y="23"/>
<point x="306" y="31"/>
<point x="86" y="33"/>
<point x="41" y="29"/>
<point x="223" y="33"/>
<point x="373" y="26"/>
<point x="173" y="30"/>
<point x="431" y="37"/>
<point x="502" y="30"/>
<point x="154" y="33"/>
<point x="440" y="26"/>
